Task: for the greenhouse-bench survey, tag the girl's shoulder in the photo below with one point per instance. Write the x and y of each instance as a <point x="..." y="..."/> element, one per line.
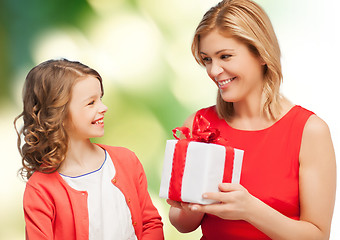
<point x="120" y="155"/>
<point x="43" y="182"/>
<point x="116" y="150"/>
<point x="38" y="176"/>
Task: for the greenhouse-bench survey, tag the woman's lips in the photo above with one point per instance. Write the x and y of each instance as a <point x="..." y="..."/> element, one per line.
<point x="223" y="83"/>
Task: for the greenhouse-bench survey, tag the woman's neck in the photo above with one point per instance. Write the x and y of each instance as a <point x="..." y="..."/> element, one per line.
<point x="250" y="116"/>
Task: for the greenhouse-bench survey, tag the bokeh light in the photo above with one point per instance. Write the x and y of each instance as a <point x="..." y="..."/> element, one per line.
<point x="152" y="83"/>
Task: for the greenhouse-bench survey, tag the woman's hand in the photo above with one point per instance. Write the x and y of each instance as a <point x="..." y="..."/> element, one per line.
<point x="182" y="218"/>
<point x="234" y="202"/>
<point x="180" y="205"/>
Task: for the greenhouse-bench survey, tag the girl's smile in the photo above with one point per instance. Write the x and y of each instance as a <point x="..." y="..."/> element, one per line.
<point x="86" y="109"/>
<point x="99" y="122"/>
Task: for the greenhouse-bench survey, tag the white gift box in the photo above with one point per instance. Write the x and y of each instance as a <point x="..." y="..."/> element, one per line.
<point x="203" y="171"/>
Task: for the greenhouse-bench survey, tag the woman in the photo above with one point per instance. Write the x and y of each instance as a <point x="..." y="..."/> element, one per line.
<point x="287" y="187"/>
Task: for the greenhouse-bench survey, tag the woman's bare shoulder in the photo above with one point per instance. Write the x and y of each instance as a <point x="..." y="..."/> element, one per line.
<point x="316" y="145"/>
<point x="189" y="121"/>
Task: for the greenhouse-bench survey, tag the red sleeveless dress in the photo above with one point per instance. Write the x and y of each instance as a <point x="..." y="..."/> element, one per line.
<point x="270" y="170"/>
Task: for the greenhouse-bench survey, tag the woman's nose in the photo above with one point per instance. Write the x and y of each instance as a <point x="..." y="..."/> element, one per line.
<point x="215" y="70"/>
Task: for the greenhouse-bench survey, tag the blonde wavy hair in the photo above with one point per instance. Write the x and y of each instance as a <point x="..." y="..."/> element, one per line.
<point x="46" y="95"/>
<point x="247" y="22"/>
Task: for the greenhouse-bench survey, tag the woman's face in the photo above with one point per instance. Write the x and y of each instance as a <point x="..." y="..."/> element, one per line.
<point x="237" y="72"/>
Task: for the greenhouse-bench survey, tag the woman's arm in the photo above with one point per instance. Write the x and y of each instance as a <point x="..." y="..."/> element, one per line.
<point x="317" y="193"/>
<point x="317" y="188"/>
<point x="317" y="176"/>
<point x="182" y="218"/>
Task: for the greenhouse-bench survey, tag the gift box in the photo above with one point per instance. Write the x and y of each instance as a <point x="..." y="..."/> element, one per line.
<point x="198" y="163"/>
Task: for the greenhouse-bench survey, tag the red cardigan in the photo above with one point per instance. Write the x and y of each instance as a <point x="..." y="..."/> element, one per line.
<point x="54" y="210"/>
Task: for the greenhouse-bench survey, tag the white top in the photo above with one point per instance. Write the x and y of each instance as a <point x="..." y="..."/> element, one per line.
<point x="109" y="215"/>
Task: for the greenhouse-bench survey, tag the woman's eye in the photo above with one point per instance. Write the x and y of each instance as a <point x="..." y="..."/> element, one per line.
<point x="225" y="56"/>
<point x="206" y="59"/>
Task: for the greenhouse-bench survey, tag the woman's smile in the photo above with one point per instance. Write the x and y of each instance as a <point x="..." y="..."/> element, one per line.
<point x="224" y="83"/>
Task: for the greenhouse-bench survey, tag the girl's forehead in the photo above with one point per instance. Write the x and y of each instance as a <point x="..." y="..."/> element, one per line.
<point x="88" y="85"/>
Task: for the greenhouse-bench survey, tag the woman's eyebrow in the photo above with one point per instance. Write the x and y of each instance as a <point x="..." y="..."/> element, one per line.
<point x="216" y="53"/>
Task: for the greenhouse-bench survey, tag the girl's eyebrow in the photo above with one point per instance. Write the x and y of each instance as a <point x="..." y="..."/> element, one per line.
<point x="91" y="97"/>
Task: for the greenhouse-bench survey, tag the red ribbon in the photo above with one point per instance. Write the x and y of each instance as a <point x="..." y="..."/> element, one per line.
<point x="201" y="132"/>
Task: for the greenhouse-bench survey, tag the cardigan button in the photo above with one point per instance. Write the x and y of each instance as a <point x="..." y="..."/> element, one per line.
<point x="134" y="223"/>
<point x="114" y="180"/>
<point x="129" y="200"/>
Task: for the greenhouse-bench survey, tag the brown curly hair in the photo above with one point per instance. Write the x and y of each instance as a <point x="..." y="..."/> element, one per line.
<point x="46" y="94"/>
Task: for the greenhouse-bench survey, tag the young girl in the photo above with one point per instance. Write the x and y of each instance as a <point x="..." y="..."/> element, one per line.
<point x="288" y="179"/>
<point x="77" y="189"/>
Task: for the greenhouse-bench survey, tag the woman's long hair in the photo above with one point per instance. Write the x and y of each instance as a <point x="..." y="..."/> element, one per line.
<point x="46" y="94"/>
<point x="247" y="22"/>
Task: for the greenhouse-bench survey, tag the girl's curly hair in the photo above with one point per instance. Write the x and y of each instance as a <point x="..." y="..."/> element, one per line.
<point x="46" y="94"/>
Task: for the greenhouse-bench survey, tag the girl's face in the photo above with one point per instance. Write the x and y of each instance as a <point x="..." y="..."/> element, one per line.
<point x="86" y="110"/>
<point x="237" y="72"/>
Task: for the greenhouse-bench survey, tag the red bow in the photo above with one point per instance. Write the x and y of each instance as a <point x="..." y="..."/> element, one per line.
<point x="201" y="132"/>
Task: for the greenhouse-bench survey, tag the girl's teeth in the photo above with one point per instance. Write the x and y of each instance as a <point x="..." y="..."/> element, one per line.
<point x="99" y="122"/>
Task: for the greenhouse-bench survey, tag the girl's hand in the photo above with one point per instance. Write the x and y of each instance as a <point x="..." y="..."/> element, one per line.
<point x="234" y="202"/>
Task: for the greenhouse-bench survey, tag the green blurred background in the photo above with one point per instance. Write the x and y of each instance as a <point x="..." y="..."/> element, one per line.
<point x="152" y="83"/>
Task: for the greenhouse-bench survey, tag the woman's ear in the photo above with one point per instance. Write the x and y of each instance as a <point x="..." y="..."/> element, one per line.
<point x="265" y="67"/>
<point x="262" y="62"/>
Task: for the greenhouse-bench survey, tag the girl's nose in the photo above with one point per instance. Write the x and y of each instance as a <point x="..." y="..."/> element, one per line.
<point x="103" y="108"/>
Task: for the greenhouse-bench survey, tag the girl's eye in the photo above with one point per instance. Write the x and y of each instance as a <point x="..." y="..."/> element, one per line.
<point x="91" y="103"/>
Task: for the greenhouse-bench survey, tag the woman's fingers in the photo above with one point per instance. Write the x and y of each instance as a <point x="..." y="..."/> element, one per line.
<point x="174" y="203"/>
<point x="223" y="195"/>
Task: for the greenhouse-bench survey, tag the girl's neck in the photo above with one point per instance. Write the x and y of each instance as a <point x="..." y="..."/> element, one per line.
<point x="81" y="157"/>
<point x="78" y="149"/>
